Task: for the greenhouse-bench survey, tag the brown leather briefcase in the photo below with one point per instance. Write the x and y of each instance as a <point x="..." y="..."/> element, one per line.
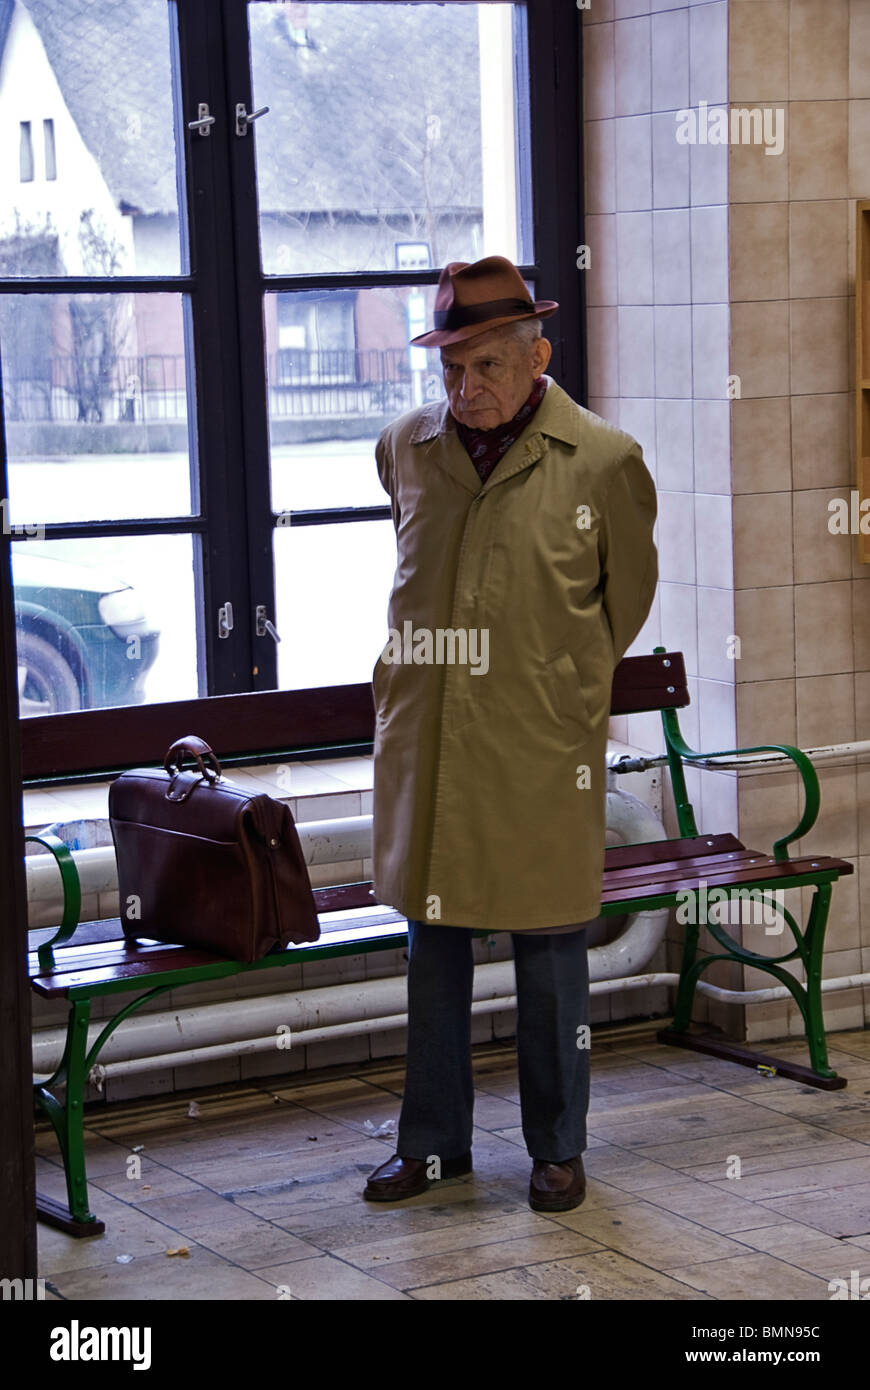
<point x="204" y="863"/>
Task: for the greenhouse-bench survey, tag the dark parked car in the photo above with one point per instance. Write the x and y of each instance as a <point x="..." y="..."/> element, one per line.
<point x="84" y="641"/>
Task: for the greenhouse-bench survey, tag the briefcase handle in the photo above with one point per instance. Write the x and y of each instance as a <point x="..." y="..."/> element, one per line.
<point x="198" y="749"/>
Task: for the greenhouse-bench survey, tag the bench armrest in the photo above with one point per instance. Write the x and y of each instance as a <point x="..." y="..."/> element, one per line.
<point x="72" y="896"/>
<point x="677" y="746"/>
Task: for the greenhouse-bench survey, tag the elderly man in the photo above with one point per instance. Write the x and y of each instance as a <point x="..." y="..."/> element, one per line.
<point x="526" y="567"/>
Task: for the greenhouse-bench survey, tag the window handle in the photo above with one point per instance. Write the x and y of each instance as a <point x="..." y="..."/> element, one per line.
<point x="244" y="119"/>
<point x="225" y="620"/>
<point x="204" y="121"/>
<point x="265" y="627"/>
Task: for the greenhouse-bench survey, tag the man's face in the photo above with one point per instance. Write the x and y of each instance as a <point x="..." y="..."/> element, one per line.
<point x="487" y="378"/>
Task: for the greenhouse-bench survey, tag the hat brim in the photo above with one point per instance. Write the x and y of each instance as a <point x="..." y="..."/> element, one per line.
<point x="441" y="337"/>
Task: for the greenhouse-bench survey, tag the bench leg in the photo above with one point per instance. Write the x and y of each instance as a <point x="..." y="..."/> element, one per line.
<point x="689" y="973"/>
<point x="814" y="1019"/>
<point x="808" y="998"/>
<point x="67" y="1120"/>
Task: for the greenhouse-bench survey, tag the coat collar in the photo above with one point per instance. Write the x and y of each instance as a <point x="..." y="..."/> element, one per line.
<point x="556" y="416"/>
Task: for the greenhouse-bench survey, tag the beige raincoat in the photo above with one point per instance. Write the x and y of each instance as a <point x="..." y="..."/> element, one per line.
<point x="512" y="601"/>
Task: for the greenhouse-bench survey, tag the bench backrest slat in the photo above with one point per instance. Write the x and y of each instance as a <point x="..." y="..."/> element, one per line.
<point x="642" y="683"/>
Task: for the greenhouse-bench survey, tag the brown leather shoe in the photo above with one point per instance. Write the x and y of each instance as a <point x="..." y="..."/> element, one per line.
<point x="557" y="1186"/>
<point x="399" y="1178"/>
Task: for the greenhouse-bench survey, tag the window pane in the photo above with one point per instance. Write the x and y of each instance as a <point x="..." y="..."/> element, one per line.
<point x="95" y="399"/>
<point x="108" y="621"/>
<point x="394" y="135"/>
<point x="25" y="155"/>
<point x="332" y="584"/>
<point x="339" y="369"/>
<point x="101" y="198"/>
<point x="50" y="152"/>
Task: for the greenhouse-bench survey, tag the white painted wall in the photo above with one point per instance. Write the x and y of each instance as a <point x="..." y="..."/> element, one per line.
<point x="29" y="91"/>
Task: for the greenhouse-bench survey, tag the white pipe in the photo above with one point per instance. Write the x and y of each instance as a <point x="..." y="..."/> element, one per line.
<point x="323" y="842"/>
<point x="354" y="1029"/>
<point x="336" y="841"/>
<point x="825" y="753"/>
<point x="48" y="1043"/>
<point x="630" y="820"/>
<point x="236" y="1021"/>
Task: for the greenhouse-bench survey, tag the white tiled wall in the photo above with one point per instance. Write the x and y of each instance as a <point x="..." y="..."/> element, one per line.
<point x="753" y="257"/>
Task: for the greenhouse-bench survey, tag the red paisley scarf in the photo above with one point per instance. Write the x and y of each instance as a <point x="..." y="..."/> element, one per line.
<point x="486" y="447"/>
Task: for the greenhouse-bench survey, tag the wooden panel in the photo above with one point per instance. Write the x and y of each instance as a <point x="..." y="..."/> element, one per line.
<point x="657" y="851"/>
<point x="765" y="872"/>
<point x="343" y="897"/>
<point x="108" y="960"/>
<point x="55" y="745"/>
<point x="643" y="683"/>
<point x="58" y="745"/>
<point x="678" y="869"/>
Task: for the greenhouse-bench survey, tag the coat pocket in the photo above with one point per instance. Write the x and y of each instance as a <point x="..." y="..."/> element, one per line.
<point x="566" y="689"/>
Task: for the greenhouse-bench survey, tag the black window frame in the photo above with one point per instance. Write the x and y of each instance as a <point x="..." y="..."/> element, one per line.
<point x="229" y="288"/>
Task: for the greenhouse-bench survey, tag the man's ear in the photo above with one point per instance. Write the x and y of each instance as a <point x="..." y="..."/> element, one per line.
<point x="541" y="352"/>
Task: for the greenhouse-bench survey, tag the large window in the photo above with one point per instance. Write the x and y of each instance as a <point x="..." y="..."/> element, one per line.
<point x="205" y="307"/>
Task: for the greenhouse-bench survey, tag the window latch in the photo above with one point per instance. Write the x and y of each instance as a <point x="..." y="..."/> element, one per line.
<point x="204" y="121"/>
<point x="244" y="118"/>
<point x="225" y="620"/>
<point x="264" y="625"/>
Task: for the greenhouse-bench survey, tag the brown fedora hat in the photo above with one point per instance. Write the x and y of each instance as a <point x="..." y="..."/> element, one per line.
<point x="476" y="298"/>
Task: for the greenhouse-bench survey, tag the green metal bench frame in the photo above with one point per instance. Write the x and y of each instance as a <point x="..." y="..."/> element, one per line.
<point x="808" y="944"/>
<point x="67" y="1118"/>
<point x="665" y="691"/>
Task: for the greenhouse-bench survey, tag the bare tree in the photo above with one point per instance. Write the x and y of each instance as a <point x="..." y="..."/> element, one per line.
<point x="28" y="250"/>
<point x="86" y="340"/>
<point x="97" y="327"/>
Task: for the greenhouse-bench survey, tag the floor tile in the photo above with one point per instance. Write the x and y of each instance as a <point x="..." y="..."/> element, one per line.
<point x="843" y="1211"/>
<point x="452" y="1204"/>
<point x="264" y="1186"/>
<point x="725" y="1212"/>
<point x="596" y="1276"/>
<point x="201" y="1276"/>
<point x="326" y="1278"/>
<point x="474" y="1260"/>
<point x="658" y="1238"/>
<point x="752" y="1277"/>
<point x="808" y="1177"/>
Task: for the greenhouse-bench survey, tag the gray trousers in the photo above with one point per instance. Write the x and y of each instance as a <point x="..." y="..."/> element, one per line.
<point x="552" y="977"/>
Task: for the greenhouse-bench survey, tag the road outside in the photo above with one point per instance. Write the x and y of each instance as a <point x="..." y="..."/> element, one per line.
<point x="332" y="582"/>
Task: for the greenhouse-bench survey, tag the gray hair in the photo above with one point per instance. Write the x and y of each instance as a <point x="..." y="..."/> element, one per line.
<point x="523" y="333"/>
<point x="525" y="330"/>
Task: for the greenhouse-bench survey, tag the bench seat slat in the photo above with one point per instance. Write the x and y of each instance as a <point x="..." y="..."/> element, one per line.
<point x="688" y="867"/>
<point x="745" y="876"/>
<point x="102" y="961"/>
<point x="653" y="851"/>
<point x="105" y="961"/>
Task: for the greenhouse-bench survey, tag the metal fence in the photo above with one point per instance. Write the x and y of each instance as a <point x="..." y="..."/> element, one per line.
<point x="91" y="389"/>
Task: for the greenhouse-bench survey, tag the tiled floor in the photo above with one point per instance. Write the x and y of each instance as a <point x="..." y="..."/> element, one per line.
<point x="263" y="1189"/>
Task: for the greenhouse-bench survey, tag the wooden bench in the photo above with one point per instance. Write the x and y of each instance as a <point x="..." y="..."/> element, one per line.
<point x="100" y="962"/>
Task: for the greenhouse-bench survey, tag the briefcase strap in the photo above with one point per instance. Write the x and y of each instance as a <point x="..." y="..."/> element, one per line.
<point x="198" y="749"/>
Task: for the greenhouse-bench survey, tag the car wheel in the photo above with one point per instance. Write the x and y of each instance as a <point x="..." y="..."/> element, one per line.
<point x="46" y="682"/>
